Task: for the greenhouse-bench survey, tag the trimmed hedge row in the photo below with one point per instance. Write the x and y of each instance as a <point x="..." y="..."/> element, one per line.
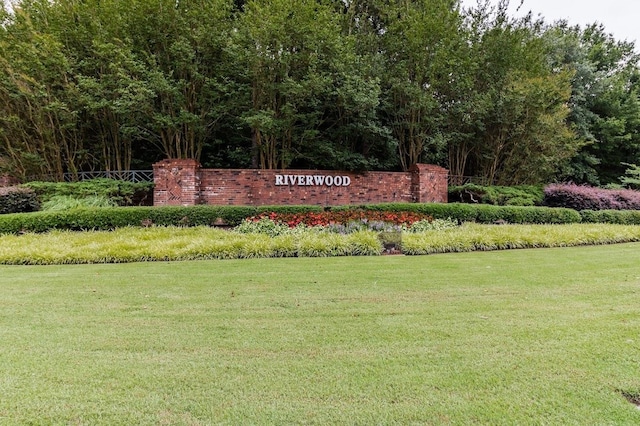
<point x="482" y="213"/>
<point x="118" y="217"/>
<point x="622" y="217"/>
<point x="15" y="199"/>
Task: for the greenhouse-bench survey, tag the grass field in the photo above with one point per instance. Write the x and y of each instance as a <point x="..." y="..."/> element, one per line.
<point x="546" y="336"/>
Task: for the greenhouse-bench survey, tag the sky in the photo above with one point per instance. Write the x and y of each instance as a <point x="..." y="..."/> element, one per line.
<point x="619" y="17"/>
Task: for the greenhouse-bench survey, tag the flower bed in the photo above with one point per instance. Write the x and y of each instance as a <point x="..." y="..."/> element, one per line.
<point x="341" y="222"/>
<point x="343" y="217"/>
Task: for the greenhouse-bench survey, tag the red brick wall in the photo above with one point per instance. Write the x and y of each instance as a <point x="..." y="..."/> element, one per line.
<point x="183" y="182"/>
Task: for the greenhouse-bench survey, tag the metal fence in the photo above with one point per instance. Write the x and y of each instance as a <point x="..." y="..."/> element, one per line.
<point x="134" y="176"/>
<point x="463" y="180"/>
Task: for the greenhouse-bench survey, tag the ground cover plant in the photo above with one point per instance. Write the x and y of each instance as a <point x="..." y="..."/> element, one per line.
<point x="513" y="337"/>
<point x="270" y="240"/>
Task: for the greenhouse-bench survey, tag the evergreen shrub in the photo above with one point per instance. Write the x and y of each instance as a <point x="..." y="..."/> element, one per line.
<point x="622" y="217"/>
<point x="204" y="215"/>
<point x="120" y="192"/>
<point x="15" y="199"/>
<point x="522" y="195"/>
<point x="118" y="217"/>
<point x="483" y="213"/>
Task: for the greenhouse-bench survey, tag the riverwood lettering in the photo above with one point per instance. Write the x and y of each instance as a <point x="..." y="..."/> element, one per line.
<point x="313" y="180"/>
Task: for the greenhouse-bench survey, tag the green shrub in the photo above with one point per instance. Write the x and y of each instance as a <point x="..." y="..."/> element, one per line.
<point x="121" y="193"/>
<point x="15" y="199"/>
<point x="482" y="213"/>
<point x="622" y="217"/>
<point x="117" y="217"/>
<point x="457" y="211"/>
<point x="67" y="202"/>
<point x="522" y="195"/>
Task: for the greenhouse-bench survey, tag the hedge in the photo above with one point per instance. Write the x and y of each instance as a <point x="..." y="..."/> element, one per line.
<point x="622" y="217"/>
<point x="483" y="213"/>
<point x="117" y="217"/>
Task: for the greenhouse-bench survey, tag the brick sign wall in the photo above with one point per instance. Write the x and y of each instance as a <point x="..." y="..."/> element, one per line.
<point x="184" y="182"/>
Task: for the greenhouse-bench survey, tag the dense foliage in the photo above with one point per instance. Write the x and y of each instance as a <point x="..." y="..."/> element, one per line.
<point x="300" y="83"/>
<point x="581" y="197"/>
<point x="522" y="195"/>
<point x="180" y="243"/>
<point x="15" y="199"/>
<point x="342" y="217"/>
<point x="113" y="218"/>
<point x="622" y="217"/>
<point x="113" y="192"/>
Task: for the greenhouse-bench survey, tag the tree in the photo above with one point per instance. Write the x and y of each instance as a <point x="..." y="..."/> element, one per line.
<point x="182" y="44"/>
<point x="38" y="111"/>
<point x="512" y="106"/>
<point x="291" y="48"/>
<point x="604" y="100"/>
<point x="420" y="43"/>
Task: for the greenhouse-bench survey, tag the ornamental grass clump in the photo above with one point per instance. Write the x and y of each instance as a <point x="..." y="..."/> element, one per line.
<point x="177" y="243"/>
<point x="262" y="225"/>
<point x="68" y="202"/>
<point x="430" y="225"/>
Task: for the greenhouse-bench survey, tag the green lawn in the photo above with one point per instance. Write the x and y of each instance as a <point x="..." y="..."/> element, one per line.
<point x="547" y="336"/>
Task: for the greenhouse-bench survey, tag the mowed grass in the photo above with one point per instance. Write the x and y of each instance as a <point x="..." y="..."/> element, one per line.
<point x="546" y="336"/>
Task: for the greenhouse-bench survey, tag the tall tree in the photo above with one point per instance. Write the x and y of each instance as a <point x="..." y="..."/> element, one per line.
<point x="420" y="41"/>
<point x="292" y="48"/>
<point x="38" y="111"/>
<point x="604" y="100"/>
<point x="512" y="102"/>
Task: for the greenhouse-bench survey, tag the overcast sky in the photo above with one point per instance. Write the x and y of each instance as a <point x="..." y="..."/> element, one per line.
<point x="619" y="17"/>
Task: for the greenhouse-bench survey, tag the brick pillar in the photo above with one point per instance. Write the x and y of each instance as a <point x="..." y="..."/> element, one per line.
<point x="429" y="183"/>
<point x="177" y="182"/>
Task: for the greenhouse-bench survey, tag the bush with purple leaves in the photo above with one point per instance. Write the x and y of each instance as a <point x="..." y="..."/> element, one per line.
<point x="580" y="197"/>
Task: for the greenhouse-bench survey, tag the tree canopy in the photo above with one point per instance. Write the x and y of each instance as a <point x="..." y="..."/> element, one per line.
<point x="349" y="84"/>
